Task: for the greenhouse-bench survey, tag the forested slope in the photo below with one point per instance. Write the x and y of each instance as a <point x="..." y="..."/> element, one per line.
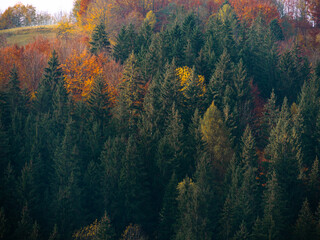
<point x="188" y="126"/>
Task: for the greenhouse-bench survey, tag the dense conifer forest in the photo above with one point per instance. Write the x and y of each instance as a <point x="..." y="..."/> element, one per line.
<point x="168" y="120"/>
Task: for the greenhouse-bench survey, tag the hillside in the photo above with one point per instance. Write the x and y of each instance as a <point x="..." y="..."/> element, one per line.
<point x="25" y="35"/>
<point x="165" y="120"/>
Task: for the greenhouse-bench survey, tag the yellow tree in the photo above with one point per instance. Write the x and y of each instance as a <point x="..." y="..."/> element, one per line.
<point x="79" y="74"/>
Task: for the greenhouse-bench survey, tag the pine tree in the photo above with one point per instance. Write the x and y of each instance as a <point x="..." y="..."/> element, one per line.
<point x="294" y="71"/>
<point x="305" y="227"/>
<point x="221" y="77"/>
<point x="276" y="30"/>
<point x="3" y="224"/>
<point x="48" y="85"/>
<point x="269" y="119"/>
<point x="242" y="233"/>
<point x="309" y="108"/>
<point x="134" y="188"/>
<point x="283" y="155"/>
<point x="105" y="231"/>
<point x="99" y="101"/>
<point x="260" y="56"/>
<point x="273" y="222"/>
<point x="170" y="93"/>
<point x="24" y="228"/>
<point x="170" y="155"/>
<point x="177" y="47"/>
<point x="125" y="44"/>
<point x="100" y="42"/>
<point x="66" y="182"/>
<point x="130" y="99"/>
<point x="14" y="94"/>
<point x="215" y="135"/>
<point x="187" y="226"/>
<point x="54" y="235"/>
<point x="205" y="62"/>
<point x="314" y="184"/>
<point x="111" y="157"/>
<point x="169" y="210"/>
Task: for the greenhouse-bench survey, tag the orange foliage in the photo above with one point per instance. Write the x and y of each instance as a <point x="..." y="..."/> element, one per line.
<point x="84" y="6"/>
<point x="79" y="74"/>
<point x="248" y="10"/>
<point x="30" y="61"/>
<point x="10" y="56"/>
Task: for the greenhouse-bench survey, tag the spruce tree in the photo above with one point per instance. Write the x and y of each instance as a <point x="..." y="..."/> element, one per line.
<point x="314" y="184"/>
<point x="49" y="83"/>
<point x="130" y="99"/>
<point x="169" y="210"/>
<point x="134" y="188"/>
<point x="283" y="154"/>
<point x="215" y="135"/>
<point x="170" y="155"/>
<point x="242" y="233"/>
<point x="274" y="222"/>
<point x="309" y="108"/>
<point x="99" y="42"/>
<point x="66" y="182"/>
<point x="221" y="77"/>
<point x="125" y="44"/>
<point x="305" y="227"/>
<point x="276" y="30"/>
<point x="105" y="231"/>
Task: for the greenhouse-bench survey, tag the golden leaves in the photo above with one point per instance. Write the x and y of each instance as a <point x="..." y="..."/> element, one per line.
<point x="79" y="74"/>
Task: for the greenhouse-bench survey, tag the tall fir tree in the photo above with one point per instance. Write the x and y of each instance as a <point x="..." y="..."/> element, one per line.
<point x="48" y="85"/>
<point x="130" y="99"/>
<point x="305" y="227"/>
<point x="99" y="40"/>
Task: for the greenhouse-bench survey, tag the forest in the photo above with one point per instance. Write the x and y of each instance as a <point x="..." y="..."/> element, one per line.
<point x="164" y="119"/>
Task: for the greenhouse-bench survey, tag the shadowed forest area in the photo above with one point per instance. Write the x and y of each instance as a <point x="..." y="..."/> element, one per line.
<point x="164" y="119"/>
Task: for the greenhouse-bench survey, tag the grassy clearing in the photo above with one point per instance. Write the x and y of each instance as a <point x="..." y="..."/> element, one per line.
<point x="24" y="35"/>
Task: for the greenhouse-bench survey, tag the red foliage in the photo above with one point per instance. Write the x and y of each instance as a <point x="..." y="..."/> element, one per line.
<point x="314" y="8"/>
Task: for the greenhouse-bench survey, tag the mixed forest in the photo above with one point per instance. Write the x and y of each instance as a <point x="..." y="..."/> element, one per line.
<point x="168" y="120"/>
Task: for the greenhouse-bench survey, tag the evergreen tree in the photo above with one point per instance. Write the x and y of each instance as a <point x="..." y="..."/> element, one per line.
<point x="187" y="226"/>
<point x="276" y="30"/>
<point x="24" y="229"/>
<point x="67" y="191"/>
<point x="284" y="157"/>
<point x="100" y="42"/>
<point x="215" y="135"/>
<point x="125" y="44"/>
<point x="48" y="85"/>
<point x="3" y="223"/>
<point x="269" y="119"/>
<point x="113" y="151"/>
<point x="105" y="231"/>
<point x="169" y="210"/>
<point x="170" y="93"/>
<point x="273" y="223"/>
<point x="170" y="155"/>
<point x="242" y="233"/>
<point x="130" y="99"/>
<point x="221" y="77"/>
<point x="305" y="227"/>
<point x="134" y="188"/>
<point x="309" y="108"/>
<point x="205" y="62"/>
<point x="294" y="71"/>
<point x="54" y="234"/>
<point x="260" y="56"/>
<point x="314" y="184"/>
